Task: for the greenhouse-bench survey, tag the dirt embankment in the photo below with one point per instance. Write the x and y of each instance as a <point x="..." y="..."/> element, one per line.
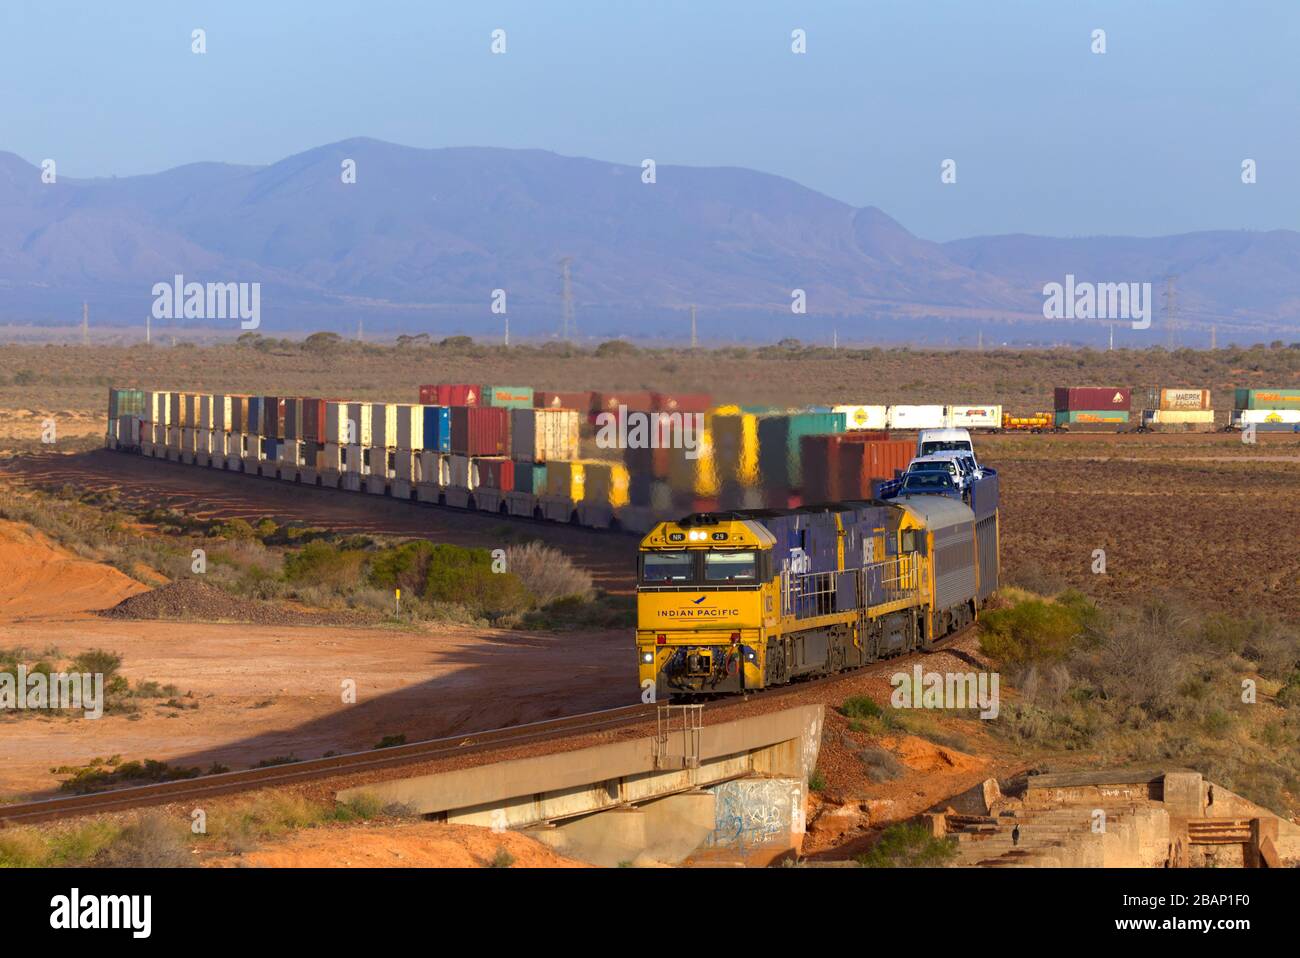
<point x="41" y="579"/>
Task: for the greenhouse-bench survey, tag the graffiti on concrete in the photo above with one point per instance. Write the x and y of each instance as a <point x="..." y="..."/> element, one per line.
<point x="753" y="812"/>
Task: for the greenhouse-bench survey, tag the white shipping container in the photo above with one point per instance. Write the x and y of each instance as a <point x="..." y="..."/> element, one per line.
<point x="459" y="473"/>
<point x="1178" y="416"/>
<point x="410" y="428"/>
<point x="542" y="435"/>
<point x="383" y="425"/>
<point x="203" y="410"/>
<point x="156" y="407"/>
<point x="917" y="417"/>
<point x="221" y="413"/>
<point x="354" y="460"/>
<point x="1261" y="416"/>
<point x="433" y="468"/>
<point x="336" y="423"/>
<point x="975" y="417"/>
<point x="404" y="463"/>
<point x="864" y="417"/>
<point x="359" y="413"/>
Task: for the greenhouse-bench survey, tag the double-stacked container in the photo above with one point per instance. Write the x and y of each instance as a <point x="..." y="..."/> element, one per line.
<point x="780" y="456"/>
<point x="541" y="435"/>
<point x="1100" y="408"/>
<point x="1267" y="409"/>
<point x="1178" y="410"/>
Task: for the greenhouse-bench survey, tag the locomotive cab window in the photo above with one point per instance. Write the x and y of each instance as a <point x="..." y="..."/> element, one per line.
<point x="730" y="567"/>
<point x="667" y="568"/>
<point x="909" y="541"/>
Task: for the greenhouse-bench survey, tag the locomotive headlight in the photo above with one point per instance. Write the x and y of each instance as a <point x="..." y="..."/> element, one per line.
<point x="647" y="657"/>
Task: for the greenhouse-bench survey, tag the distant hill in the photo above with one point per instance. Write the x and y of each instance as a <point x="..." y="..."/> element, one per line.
<point x="423" y="237"/>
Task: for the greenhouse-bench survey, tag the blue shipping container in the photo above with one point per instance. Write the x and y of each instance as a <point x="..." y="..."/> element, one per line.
<point x="254" y="423"/>
<point x="437" y="428"/>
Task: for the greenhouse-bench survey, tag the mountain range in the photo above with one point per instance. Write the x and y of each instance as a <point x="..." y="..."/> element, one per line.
<point x="423" y="236"/>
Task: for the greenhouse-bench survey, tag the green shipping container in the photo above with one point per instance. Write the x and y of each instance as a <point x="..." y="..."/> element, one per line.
<point x="125" y="402"/>
<point x="1091" y="417"/>
<point x="1267" y="399"/>
<point x="508" y="397"/>
<point x="530" y="478"/>
<point x="780" y="462"/>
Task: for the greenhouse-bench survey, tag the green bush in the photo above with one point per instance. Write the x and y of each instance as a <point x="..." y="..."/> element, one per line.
<point x="1031" y="632"/>
<point x="325" y="564"/>
<point x="443" y="573"/>
<point x="909" y="846"/>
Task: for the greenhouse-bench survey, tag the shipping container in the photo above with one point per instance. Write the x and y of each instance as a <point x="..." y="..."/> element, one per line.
<point x="203" y="411"/>
<point x="1177" y="399"/>
<point x="254" y="420"/>
<point x="605" y="483"/>
<point x="693" y="475"/>
<point x="540" y="435"/>
<point x="126" y="402"/>
<point x="779" y="452"/>
<point x="410" y="427"/>
<point x="975" y="417"/>
<point x="917" y="417"/>
<point x="383" y="425"/>
<point x="273" y="410"/>
<point x="1267" y="399"/>
<point x="863" y="417"/>
<point x="221" y="412"/>
<point x="565" y="480"/>
<point x="580" y="401"/>
<point x="173" y="409"/>
<point x="820" y="457"/>
<point x="1178" y="416"/>
<point x="681" y="402"/>
<point x="863" y="465"/>
<point x="339" y="429"/>
<point x="456" y="394"/>
<point x="1091" y="398"/>
<point x="642" y="401"/>
<point x="155" y="407"/>
<point x="313" y="421"/>
<point x="530" y="478"/>
<point x="735" y="448"/>
<point x="361" y="418"/>
<point x="508" y="397"/>
<point x="190" y="410"/>
<point x="433" y="466"/>
<point x="494" y="472"/>
<point x="437" y="429"/>
<point x="1263" y="416"/>
<point x="1091" y="417"/>
<point x="292" y="418"/>
<point x="480" y="431"/>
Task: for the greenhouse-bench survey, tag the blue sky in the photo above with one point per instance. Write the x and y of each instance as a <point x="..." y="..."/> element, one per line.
<point x="1048" y="137"/>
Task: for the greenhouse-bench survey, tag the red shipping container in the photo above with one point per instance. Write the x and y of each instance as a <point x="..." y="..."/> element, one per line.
<point x="480" y="430"/>
<point x="497" y="473"/>
<point x="562" y="400"/>
<point x="1106" y="398"/>
<point x="313" y="419"/>
<point x="820" y="455"/>
<point x="860" y="463"/>
<point x="634" y="401"/>
<point x="681" y="402"/>
<point x="445" y="394"/>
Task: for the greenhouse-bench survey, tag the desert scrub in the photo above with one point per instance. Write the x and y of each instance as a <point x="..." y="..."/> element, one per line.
<point x="547" y="573"/>
<point x="909" y="845"/>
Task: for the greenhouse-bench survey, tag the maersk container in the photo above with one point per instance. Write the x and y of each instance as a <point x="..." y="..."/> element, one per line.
<point x="779" y="453"/>
<point x="480" y="431"/>
<point x="1267" y="399"/>
<point x="681" y="402"/>
<point x="565" y="480"/>
<point x="494" y="472"/>
<point x="580" y="401"/>
<point x="1091" y="417"/>
<point x="540" y="435"/>
<point x="508" y="397"/>
<point x="1176" y="399"/>
<point x="313" y="420"/>
<point x="1091" y="398"/>
<point x="605" y="483"/>
<point x="975" y="417"/>
<point x="437" y="429"/>
<point x="360" y="415"/>
<point x="450" y="394"/>
<point x="917" y="417"/>
<point x="410" y="427"/>
<point x="125" y="402"/>
<point x="383" y="425"/>
<point x="863" y="417"/>
<point x="530" y="478"/>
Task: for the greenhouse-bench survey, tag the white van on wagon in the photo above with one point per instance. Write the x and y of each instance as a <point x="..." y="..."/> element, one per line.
<point x="930" y="441"/>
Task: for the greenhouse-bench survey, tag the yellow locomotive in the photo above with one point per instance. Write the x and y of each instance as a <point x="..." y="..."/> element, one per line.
<point x="747" y="600"/>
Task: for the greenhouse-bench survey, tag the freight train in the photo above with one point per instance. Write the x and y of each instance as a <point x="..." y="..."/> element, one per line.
<point x="734" y="601"/>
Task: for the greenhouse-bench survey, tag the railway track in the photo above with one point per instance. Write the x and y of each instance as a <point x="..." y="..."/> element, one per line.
<point x="184" y="790"/>
<point x="192" y="789"/>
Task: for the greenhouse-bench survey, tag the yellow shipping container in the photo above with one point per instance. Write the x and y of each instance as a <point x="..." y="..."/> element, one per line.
<point x="605" y="483"/>
<point x="695" y="476"/>
<point x="735" y="448"/>
<point x="565" y="479"/>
